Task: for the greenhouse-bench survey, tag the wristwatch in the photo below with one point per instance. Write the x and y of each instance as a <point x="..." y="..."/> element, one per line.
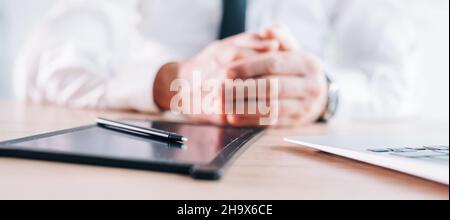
<point x="332" y="101"/>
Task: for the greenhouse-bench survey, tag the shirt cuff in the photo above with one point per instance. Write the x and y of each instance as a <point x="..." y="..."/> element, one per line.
<point x="132" y="88"/>
<point x="131" y="93"/>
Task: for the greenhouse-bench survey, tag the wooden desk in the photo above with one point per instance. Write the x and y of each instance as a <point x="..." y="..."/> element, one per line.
<point x="270" y="169"/>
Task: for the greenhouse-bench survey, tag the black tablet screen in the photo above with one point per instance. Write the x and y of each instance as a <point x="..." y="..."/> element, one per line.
<point x="205" y="143"/>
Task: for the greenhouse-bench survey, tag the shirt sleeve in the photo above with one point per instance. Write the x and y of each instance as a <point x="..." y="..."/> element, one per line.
<point x="91" y="54"/>
<point x="373" y="60"/>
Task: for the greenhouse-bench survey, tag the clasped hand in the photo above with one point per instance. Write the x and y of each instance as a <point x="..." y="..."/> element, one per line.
<point x="272" y="54"/>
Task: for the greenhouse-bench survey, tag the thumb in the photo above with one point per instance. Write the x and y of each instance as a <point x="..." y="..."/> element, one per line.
<point x="283" y="35"/>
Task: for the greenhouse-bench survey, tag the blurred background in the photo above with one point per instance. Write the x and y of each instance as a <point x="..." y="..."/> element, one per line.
<point x="18" y="17"/>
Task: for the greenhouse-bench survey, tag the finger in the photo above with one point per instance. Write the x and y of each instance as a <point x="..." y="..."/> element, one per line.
<point x="254" y="121"/>
<point x="243" y="121"/>
<point x="264" y="46"/>
<point x="287" y="122"/>
<point x="294" y="113"/>
<point x="283" y="35"/>
<point x="249" y="89"/>
<point x="282" y="87"/>
<point x="252" y="110"/>
<point x="283" y="63"/>
<point x="294" y="87"/>
<point x="253" y="41"/>
<point x="291" y="107"/>
<point x="282" y="112"/>
<point x="245" y="53"/>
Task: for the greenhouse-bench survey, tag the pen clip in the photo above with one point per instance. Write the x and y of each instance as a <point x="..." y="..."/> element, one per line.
<point x="168" y="142"/>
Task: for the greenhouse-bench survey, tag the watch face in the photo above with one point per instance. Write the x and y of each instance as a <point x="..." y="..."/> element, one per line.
<point x="333" y="101"/>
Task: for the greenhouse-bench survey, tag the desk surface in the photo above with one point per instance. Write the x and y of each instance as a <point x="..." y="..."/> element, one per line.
<point x="270" y="169"/>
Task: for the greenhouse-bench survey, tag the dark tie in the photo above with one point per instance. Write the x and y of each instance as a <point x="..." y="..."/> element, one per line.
<point x="233" y="18"/>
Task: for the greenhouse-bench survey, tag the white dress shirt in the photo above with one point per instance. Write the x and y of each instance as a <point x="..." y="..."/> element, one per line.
<point x="106" y="53"/>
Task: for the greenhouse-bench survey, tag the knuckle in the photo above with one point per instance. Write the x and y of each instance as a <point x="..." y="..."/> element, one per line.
<point x="240" y="71"/>
<point x="315" y="92"/>
<point x="243" y="71"/>
<point x="317" y="86"/>
<point x="313" y="64"/>
<point x="232" y="120"/>
<point x="307" y="107"/>
<point x="273" y="64"/>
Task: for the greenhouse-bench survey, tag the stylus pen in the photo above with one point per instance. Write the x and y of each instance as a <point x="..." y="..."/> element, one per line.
<point x="123" y="127"/>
